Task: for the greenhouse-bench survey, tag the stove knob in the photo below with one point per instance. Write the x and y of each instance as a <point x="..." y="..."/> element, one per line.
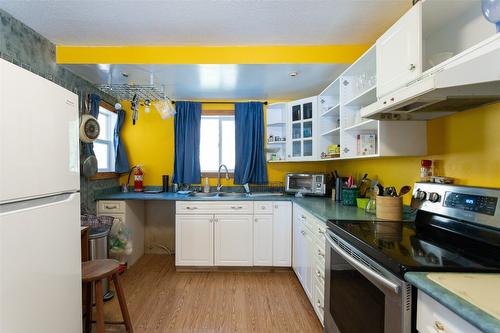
<point x="434" y="197"/>
<point x="420" y="195"/>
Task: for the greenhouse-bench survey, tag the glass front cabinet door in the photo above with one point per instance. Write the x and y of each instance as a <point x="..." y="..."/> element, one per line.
<point x="302" y="129"/>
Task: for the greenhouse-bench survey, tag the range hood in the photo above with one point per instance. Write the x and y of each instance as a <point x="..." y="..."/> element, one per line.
<point x="468" y="80"/>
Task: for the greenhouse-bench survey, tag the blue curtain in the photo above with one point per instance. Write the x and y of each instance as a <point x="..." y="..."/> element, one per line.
<point x="250" y="165"/>
<point x="94" y="100"/>
<point x="187" y="123"/>
<point x="121" y="159"/>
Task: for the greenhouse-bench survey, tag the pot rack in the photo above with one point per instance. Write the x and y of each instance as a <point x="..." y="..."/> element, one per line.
<point x="126" y="91"/>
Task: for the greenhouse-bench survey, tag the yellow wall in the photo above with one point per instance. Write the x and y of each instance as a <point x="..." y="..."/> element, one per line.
<point x="465" y="145"/>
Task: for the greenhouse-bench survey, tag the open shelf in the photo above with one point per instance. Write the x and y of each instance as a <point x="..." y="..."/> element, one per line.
<point x="331" y="132"/>
<point x="366" y="97"/>
<point x="331" y="112"/>
<point x="369" y="124"/>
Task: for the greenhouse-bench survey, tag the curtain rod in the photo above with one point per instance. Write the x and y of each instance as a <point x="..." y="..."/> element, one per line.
<point x="265" y="102"/>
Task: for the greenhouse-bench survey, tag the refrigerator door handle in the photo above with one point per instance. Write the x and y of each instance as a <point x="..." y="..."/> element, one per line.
<point x="14" y="207"/>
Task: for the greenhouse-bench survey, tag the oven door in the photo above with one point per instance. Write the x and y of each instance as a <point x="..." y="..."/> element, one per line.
<point x="360" y="295"/>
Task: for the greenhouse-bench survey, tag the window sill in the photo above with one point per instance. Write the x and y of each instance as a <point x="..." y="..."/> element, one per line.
<point x="213" y="174"/>
<point x="104" y="175"/>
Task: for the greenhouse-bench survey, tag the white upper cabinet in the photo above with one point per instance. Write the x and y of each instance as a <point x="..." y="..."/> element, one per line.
<point x="399" y="52"/>
<point x="276" y="131"/>
<point x="301" y="139"/>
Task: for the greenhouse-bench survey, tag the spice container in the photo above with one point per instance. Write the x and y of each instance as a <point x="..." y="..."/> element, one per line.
<point x="425" y="170"/>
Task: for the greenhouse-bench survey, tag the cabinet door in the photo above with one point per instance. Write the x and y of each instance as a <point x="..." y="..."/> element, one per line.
<point x="302" y="129"/>
<point x="194" y="240"/>
<point x="234" y="240"/>
<point x="308" y="262"/>
<point x="399" y="52"/>
<point x="302" y="253"/>
<point x="263" y="240"/>
<point x="282" y="234"/>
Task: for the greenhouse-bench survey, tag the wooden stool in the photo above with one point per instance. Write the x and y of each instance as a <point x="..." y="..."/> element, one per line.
<point x="92" y="273"/>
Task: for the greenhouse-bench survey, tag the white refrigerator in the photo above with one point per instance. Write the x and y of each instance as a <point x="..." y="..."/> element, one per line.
<point x="40" y="269"/>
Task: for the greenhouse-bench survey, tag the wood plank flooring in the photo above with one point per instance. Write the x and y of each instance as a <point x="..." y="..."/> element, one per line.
<point x="163" y="300"/>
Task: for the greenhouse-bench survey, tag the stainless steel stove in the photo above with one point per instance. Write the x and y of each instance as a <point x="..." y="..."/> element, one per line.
<point x="456" y="229"/>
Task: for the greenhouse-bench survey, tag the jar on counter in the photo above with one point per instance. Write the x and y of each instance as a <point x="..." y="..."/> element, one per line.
<point x="425" y="170"/>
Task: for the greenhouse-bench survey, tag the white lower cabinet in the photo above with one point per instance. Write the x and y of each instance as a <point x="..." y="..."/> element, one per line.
<point x="309" y="257"/>
<point x="434" y="317"/>
<point x="240" y="233"/>
<point x="194" y="235"/>
<point x="233" y="240"/>
<point x="282" y="234"/>
<point x="263" y="240"/>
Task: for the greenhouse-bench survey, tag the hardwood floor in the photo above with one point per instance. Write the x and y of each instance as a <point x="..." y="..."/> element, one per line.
<point x="163" y="300"/>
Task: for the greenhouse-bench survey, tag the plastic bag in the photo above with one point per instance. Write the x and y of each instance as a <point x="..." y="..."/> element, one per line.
<point x="120" y="240"/>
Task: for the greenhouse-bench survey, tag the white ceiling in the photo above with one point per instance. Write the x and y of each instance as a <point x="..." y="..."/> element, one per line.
<point x="220" y="81"/>
<point x="203" y="22"/>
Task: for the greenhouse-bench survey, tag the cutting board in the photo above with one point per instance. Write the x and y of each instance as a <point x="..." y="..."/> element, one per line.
<point x="481" y="290"/>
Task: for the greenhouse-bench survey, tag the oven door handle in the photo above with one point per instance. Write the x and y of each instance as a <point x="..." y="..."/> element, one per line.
<point x="362" y="268"/>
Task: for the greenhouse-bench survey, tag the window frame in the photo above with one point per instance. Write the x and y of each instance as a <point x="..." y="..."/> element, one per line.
<point x="222" y="115"/>
<point x="107" y="173"/>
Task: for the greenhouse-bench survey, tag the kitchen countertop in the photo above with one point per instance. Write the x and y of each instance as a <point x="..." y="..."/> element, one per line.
<point x="323" y="208"/>
<point x="468" y="311"/>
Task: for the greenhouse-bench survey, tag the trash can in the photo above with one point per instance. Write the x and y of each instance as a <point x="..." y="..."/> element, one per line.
<point x="98" y="249"/>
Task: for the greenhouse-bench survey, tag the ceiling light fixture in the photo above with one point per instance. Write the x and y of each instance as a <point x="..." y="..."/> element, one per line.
<point x="293" y="74"/>
<point x="125" y="74"/>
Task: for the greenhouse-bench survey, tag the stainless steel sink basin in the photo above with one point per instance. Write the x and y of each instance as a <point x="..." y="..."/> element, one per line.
<point x="266" y="194"/>
<point x="204" y="195"/>
<point x="232" y="194"/>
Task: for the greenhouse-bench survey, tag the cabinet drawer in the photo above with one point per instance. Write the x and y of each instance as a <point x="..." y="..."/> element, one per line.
<point x="434" y="317"/>
<point x="112" y="206"/>
<point x="315" y="226"/>
<point x="263" y="207"/>
<point x="205" y="207"/>
<point x="319" y="302"/>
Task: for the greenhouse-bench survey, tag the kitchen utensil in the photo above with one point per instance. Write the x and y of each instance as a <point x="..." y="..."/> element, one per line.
<point x="89" y="166"/>
<point x="390" y="191"/>
<point x="362" y="202"/>
<point x="135" y="108"/>
<point x="404" y="190"/>
<point x="350" y="182"/>
<point x="89" y="128"/>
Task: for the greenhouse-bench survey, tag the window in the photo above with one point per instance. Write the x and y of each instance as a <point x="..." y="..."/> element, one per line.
<point x="217" y="144"/>
<point x="103" y="145"/>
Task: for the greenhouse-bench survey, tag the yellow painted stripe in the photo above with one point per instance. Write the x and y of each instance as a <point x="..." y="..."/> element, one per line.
<point x="209" y="54"/>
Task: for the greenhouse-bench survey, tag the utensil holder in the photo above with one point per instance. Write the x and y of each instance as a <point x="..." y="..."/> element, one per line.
<point x="389" y="208"/>
<point x="349" y="196"/>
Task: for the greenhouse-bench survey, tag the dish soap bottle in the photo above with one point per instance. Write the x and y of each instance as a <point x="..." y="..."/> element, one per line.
<point x="206" y="188"/>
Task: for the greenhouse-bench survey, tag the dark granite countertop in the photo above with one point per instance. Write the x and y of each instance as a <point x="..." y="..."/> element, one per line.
<point x="323" y="208"/>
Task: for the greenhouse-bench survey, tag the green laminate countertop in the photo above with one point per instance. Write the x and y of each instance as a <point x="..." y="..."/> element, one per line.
<point x="468" y="311"/>
<point x="323" y="208"/>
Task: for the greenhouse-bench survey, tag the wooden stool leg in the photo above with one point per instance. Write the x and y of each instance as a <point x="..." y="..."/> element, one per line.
<point x="88" y="307"/>
<point x="99" y="304"/>
<point x="123" y="304"/>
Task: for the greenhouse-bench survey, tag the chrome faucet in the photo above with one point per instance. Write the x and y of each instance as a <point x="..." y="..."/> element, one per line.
<point x="219" y="186"/>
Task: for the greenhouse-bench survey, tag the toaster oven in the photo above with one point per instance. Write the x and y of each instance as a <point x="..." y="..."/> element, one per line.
<point x="307" y="183"/>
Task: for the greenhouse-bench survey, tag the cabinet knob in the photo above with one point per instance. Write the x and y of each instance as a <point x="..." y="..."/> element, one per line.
<point x="303" y="216"/>
<point x="411" y="67"/>
<point x="318" y="303"/>
<point x="236" y="207"/>
<point x="321" y="254"/>
<point x="302" y="232"/>
<point x="110" y="207"/>
<point x="191" y="208"/>
<point x="256" y="220"/>
<point x="438" y="326"/>
<point x="320" y="231"/>
<point x="276" y="206"/>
